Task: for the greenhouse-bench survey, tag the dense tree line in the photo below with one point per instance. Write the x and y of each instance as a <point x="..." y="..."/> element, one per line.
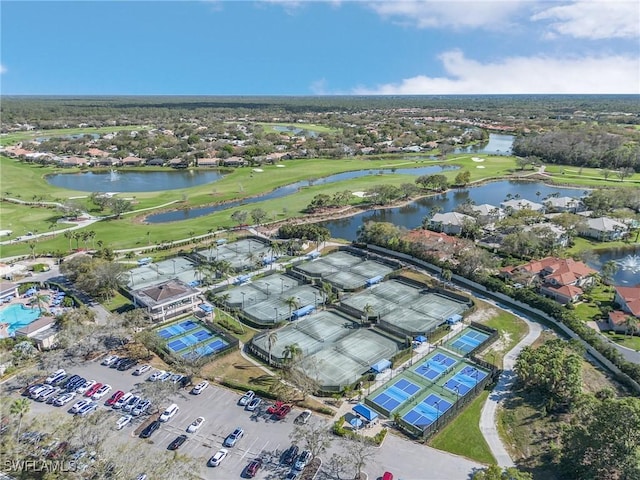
<point x="96" y="276"/>
<point x="308" y="231"/>
<point x="582" y="147"/>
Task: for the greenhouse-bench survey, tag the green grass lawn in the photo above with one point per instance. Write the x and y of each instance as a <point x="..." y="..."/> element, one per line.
<point x="629" y="341"/>
<point x="588" y="176"/>
<point x="15" y="137"/>
<point x="581" y="244"/>
<point x="512" y="329"/>
<point x="312" y="127"/>
<point x="117" y="303"/>
<point x="463" y="436"/>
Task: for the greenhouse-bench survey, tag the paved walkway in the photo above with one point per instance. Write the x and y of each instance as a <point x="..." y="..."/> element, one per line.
<point x="488" y="420"/>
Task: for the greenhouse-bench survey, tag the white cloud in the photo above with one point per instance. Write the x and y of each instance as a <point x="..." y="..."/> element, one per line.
<point x="319" y="87"/>
<point x="594" y="20"/>
<point x="3" y="69"/>
<point x="521" y="75"/>
<point x="492" y="14"/>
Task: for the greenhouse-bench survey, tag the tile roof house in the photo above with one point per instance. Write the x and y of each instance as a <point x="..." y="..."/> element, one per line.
<point x="603" y="228"/>
<point x="132" y="161"/>
<point x="559" y="278"/>
<point x="166" y="300"/>
<point x="628" y="298"/>
<point x="488" y="213"/>
<point x="563" y="204"/>
<point x="617" y="321"/>
<point x="522" y="204"/>
<point x="73" y="161"/>
<point x="440" y="245"/>
<point x="450" y="222"/>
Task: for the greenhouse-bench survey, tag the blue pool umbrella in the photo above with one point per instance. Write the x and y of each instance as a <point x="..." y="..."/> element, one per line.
<point x="356" y="422"/>
<point x="421" y="338"/>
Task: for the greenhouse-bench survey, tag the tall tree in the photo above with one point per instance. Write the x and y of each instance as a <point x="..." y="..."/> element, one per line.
<point x="20" y="407"/>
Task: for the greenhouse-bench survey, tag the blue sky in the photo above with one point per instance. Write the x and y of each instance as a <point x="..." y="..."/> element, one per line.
<point x="278" y="47"/>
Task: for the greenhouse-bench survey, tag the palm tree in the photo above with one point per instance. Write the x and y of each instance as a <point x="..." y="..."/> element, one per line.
<point x="292" y="302"/>
<point x="20" y="407"/>
<point x="68" y="235"/>
<point x="292" y="352"/>
<point x="631" y="324"/>
<point x="327" y="290"/>
<point x="92" y="236"/>
<point x="272" y="338"/>
<point x="367" y="310"/>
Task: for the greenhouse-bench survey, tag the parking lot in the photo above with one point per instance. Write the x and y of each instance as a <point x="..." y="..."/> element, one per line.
<point x="264" y="436"/>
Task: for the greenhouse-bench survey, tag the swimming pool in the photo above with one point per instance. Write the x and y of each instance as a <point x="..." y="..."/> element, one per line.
<point x="18" y="316"/>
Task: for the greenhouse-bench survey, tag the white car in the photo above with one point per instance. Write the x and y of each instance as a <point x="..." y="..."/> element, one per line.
<point x="141" y="370"/>
<point x="246" y="398"/>
<point x="218" y="457"/>
<point x="253" y="404"/>
<point x="110" y="360"/>
<point x="79" y="404"/>
<point x="57" y="375"/>
<point x="122" y="401"/>
<point x="64" y="399"/>
<point x="102" y="391"/>
<point x="35" y="393"/>
<point x="131" y="404"/>
<point x="123" y="421"/>
<point x="165" y="376"/>
<point x="87" y="409"/>
<point x="195" y="425"/>
<point x="199" y="388"/>
<point x="156" y="375"/>
<point x="86" y="386"/>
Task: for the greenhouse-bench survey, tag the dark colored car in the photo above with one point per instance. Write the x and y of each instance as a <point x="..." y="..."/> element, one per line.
<point x="72" y="386"/>
<point x="253" y="467"/>
<point x="290" y="455"/>
<point x="127" y="364"/>
<point x="177" y="442"/>
<point x="152" y="427"/>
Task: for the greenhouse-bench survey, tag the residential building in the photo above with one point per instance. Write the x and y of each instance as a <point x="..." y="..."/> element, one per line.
<point x="8" y="291"/>
<point x="561" y="238"/>
<point x="628" y="301"/>
<point x="563" y="204"/>
<point x="451" y="222"/>
<point x="603" y="229"/>
<point x="521" y="204"/>
<point x="487" y="213"/>
<point x="43" y="331"/>
<point x="562" y="279"/>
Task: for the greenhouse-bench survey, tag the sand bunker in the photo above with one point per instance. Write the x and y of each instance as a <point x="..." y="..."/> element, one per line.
<point x="360" y="194"/>
<point x="477" y="159"/>
<point x="480" y="166"/>
<point x="280" y="166"/>
<point x="258" y="170"/>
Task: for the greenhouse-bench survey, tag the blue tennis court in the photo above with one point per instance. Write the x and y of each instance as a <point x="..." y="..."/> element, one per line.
<point x="469" y="340"/>
<point x="177" y="329"/>
<point x="463" y="381"/>
<point x="431" y="369"/>
<point x="207" y="349"/>
<point x="190" y="339"/>
<point x="427" y="411"/>
<point x="395" y="395"/>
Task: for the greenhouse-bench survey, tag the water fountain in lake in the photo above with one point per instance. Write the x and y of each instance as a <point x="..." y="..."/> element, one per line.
<point x="630" y="263"/>
<point x="113" y="175"/>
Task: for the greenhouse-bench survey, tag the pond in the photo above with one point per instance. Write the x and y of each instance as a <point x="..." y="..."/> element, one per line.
<point x="497" y="144"/>
<point x="411" y="215"/>
<point x="627" y="260"/>
<point x="280" y="192"/>
<point x="150" y="181"/>
<point x="295" y="130"/>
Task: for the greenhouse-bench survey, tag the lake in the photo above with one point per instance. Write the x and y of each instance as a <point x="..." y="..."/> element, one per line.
<point x="280" y="192"/>
<point x="497" y="144"/>
<point x="151" y="181"/>
<point x="411" y="215"/>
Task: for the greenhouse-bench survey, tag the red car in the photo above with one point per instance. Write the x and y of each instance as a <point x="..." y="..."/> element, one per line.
<point x="275" y="407"/>
<point x="92" y="390"/>
<point x="114" y="398"/>
<point x="282" y="412"/>
<point x="253" y="467"/>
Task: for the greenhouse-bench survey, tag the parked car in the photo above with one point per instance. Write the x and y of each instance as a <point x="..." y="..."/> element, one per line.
<point x="290" y="454"/>
<point x="169" y="413"/>
<point x="303" y="418"/>
<point x="110" y="360"/>
<point x="303" y="459"/>
<point x="61" y="380"/>
<point x="131" y="404"/>
<point x="218" y="457"/>
<point x="292" y="475"/>
<point x="165" y="376"/>
<point x="33" y="388"/>
<point x="69" y="380"/>
<point x="82" y="389"/>
<point x="87" y="409"/>
<point x="177" y="442"/>
<point x="114" y="398"/>
<point x="253" y="467"/>
<point x="122" y="401"/>
<point x="123" y="421"/>
<point x="156" y="375"/>
<point x="195" y="425"/>
<point x="387" y="476"/>
<point x="94" y="388"/>
<point x="127" y="364"/>
<point x="275" y="407"/>
<point x="49" y="396"/>
<point x="282" y="412"/>
<point x="142" y="369"/>
<point x="199" y="388"/>
<point x="57" y="375"/>
<point x="253" y="404"/>
<point x="176" y="377"/>
<point x="79" y="404"/>
<point x="119" y="362"/>
<point x="41" y="390"/>
<point x="141" y="408"/>
<point x="64" y="399"/>
<point x="149" y="429"/>
<point x="233" y="437"/>
<point x="101" y="392"/>
<point x="73" y="385"/>
<point x="246" y="398"/>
